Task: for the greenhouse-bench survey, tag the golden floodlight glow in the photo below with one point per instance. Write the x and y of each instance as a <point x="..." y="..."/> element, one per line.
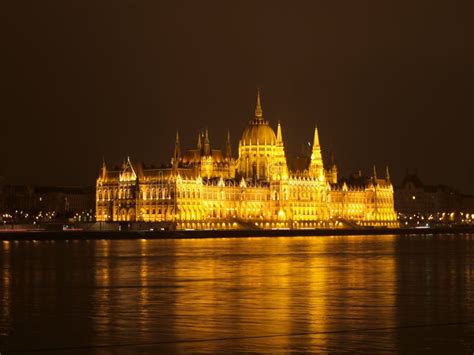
<point x="207" y="188"/>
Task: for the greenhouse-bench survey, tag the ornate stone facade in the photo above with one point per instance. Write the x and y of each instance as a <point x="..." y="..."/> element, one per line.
<point x="205" y="188"/>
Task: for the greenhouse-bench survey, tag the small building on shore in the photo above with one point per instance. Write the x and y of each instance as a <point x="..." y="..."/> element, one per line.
<point x="38" y="203"/>
<point x="418" y="203"/>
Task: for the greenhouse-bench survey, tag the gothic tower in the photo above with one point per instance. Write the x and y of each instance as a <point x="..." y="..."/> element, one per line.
<point x="316" y="168"/>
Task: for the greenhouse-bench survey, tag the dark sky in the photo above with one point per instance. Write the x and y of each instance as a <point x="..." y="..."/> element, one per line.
<point x="387" y="82"/>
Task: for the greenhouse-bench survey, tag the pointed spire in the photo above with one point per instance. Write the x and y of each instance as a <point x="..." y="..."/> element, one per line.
<point x="316" y="151"/>
<point x="104" y="168"/>
<point x="228" y="146"/>
<point x="207" y="144"/>
<point x="177" y="147"/>
<point x="387" y="174"/>
<point x="279" y="135"/>
<point x="333" y="168"/>
<point x="316" y="167"/>
<point x="258" y="109"/>
<point x="177" y="151"/>
<point x="316" y="137"/>
<point x="199" y="144"/>
<point x="375" y="173"/>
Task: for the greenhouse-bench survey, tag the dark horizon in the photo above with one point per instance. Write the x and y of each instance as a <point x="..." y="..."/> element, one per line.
<point x="386" y="84"/>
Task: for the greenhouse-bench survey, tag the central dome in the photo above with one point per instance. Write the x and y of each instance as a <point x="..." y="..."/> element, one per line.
<point x="259" y="132"/>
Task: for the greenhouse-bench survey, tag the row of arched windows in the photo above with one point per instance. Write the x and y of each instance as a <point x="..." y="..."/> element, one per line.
<point x="156" y="194"/>
<point x="109" y="194"/>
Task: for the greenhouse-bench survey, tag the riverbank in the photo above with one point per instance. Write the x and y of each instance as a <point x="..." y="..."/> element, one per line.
<point x="191" y="234"/>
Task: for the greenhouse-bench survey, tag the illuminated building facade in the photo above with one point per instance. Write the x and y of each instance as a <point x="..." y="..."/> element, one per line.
<point x="421" y="204"/>
<point x="207" y="188"/>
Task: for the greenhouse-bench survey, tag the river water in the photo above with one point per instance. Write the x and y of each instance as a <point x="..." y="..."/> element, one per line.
<point x="320" y="294"/>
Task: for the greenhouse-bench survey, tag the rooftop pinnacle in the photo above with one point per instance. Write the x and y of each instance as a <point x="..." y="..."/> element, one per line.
<point x="258" y="109"/>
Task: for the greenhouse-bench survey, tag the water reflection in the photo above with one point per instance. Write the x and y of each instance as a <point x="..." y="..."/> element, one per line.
<point x="435" y="283"/>
<point x="144" y="321"/>
<point x="5" y="288"/>
<point x="101" y="297"/>
<point x="264" y="294"/>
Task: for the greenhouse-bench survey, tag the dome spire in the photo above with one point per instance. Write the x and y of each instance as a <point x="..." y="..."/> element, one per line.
<point x="258" y="109"/>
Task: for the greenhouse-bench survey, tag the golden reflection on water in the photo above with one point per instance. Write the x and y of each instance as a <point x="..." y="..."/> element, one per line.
<point x="228" y="288"/>
<point x="102" y="299"/>
<point x="280" y="287"/>
<point x="144" y="294"/>
<point x="255" y="294"/>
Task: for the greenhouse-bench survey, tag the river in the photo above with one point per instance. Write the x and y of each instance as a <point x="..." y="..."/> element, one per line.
<point x="320" y="294"/>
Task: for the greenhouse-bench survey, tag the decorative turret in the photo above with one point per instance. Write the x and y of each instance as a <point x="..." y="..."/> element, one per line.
<point x="316" y="156"/>
<point x="199" y="144"/>
<point x="279" y="139"/>
<point x="316" y="168"/>
<point x="103" y="170"/>
<point x="332" y="169"/>
<point x="207" y="144"/>
<point x="177" y="151"/>
<point x="228" y="146"/>
<point x="387" y="174"/>
<point x="316" y="138"/>
<point x="375" y="173"/>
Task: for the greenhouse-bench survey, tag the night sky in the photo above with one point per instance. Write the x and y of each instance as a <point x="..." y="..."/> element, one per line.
<point x="386" y="82"/>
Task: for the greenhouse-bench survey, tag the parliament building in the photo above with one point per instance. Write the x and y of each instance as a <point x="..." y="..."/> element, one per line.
<point x="207" y="188"/>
